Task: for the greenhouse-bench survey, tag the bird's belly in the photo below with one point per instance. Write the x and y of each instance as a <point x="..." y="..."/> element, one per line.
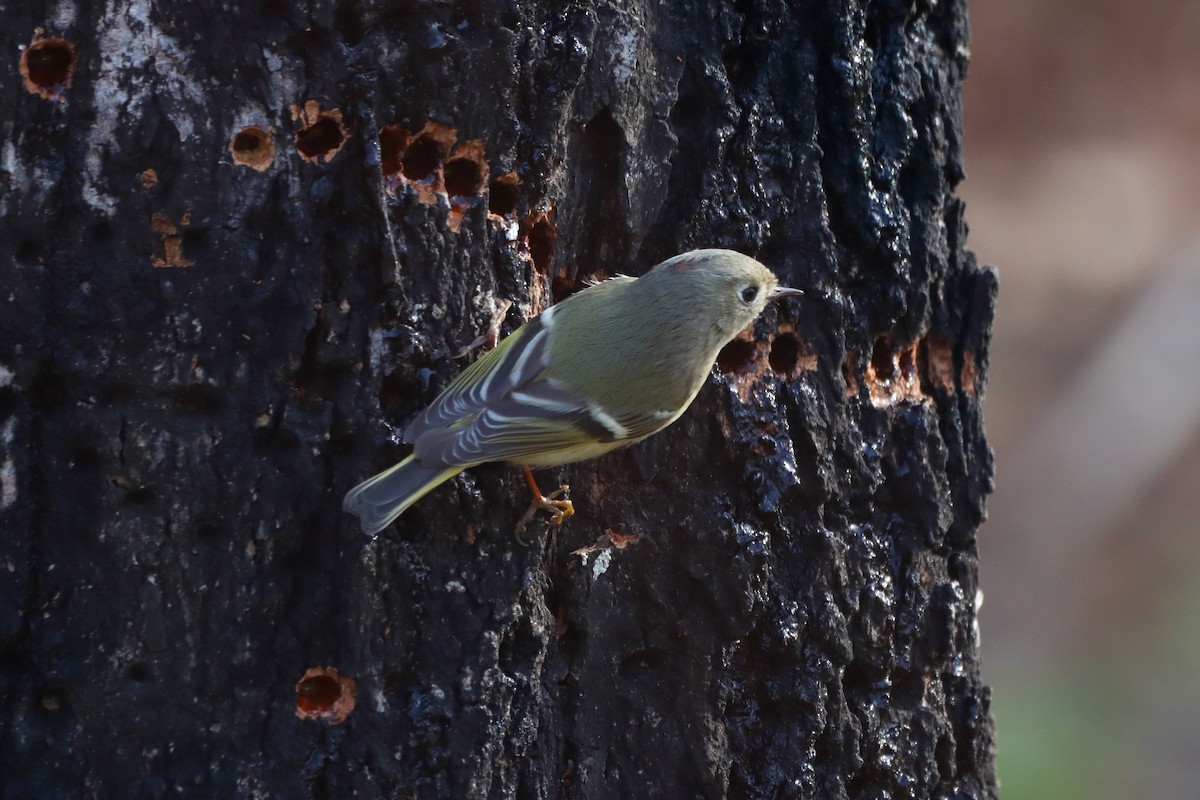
<point x="569" y="455"/>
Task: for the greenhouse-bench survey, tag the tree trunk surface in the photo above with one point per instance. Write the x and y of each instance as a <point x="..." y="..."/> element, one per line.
<point x="243" y="244"/>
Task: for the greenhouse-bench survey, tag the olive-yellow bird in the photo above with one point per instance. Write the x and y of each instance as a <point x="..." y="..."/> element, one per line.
<point x="607" y="367"/>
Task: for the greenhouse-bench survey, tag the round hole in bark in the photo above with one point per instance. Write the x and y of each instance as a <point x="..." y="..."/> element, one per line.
<point x="47" y="65"/>
<point x="464" y="177"/>
<point x="247" y="141"/>
<point x="317" y="693"/>
<point x="421" y="158"/>
<point x="252" y="147"/>
<point x="320" y="139"/>
<point x="322" y="694"/>
<point x="503" y="194"/>
<point x="785" y="354"/>
<point x="392" y="141"/>
<point x="736" y="356"/>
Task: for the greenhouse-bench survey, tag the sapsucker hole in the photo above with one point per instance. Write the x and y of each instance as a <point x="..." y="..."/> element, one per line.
<point x="248" y="140"/>
<point x="736" y="356"/>
<point x="504" y="194"/>
<point x="317" y="693"/>
<point x="47" y="65"/>
<point x="392" y="141"/>
<point x="321" y="138"/>
<point x="323" y="694"/>
<point x="906" y="361"/>
<point x="542" y="237"/>
<point x="252" y="147"/>
<point x="421" y="158"/>
<point x="784" y="357"/>
<point x="883" y="360"/>
<point x="935" y="363"/>
<point x="463" y="177"/>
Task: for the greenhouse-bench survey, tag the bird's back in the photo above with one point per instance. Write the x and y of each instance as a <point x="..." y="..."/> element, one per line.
<point x="631" y="346"/>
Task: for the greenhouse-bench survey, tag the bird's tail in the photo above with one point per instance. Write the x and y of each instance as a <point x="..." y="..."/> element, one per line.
<point x="380" y="499"/>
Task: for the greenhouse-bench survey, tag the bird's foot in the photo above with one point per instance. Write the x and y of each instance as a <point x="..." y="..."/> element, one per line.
<point x="559" y="510"/>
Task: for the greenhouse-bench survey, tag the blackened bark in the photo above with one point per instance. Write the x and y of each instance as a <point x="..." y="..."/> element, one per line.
<point x="244" y="243"/>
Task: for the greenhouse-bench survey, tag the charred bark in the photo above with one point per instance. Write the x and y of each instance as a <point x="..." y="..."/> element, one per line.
<point x="244" y="243"/>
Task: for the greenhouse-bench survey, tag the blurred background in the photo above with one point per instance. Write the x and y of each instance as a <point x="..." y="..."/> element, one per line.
<point x="1083" y="189"/>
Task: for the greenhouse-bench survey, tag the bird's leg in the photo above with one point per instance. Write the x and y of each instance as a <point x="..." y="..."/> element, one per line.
<point x="559" y="509"/>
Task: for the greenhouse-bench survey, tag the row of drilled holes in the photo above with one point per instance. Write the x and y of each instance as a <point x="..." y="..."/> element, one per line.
<point x="913" y="372"/>
<point x="784" y="354"/>
<point x="48" y="64"/>
<point x="418" y="160"/>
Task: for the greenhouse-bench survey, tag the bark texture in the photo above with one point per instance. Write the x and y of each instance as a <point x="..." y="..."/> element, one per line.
<point x="244" y="243"/>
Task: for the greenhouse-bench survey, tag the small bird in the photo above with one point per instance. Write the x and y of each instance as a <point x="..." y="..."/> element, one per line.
<point x="618" y="361"/>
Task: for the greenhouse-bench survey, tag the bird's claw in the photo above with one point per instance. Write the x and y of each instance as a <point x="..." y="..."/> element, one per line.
<point x="559" y="510"/>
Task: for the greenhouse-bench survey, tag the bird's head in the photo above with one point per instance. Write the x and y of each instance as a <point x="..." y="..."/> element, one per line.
<point x="730" y="288"/>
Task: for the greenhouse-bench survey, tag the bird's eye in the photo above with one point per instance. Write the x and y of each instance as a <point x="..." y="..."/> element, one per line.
<point x="748" y="293"/>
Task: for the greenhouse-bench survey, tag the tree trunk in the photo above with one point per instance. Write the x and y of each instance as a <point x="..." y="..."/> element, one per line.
<point x="245" y="243"/>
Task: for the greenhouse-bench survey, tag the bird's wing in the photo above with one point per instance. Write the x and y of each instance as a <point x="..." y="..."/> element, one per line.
<point x="516" y="361"/>
<point x="540" y="422"/>
<point x="506" y="407"/>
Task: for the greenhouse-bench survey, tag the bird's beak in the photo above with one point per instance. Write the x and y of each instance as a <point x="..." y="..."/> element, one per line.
<point x="784" y="291"/>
